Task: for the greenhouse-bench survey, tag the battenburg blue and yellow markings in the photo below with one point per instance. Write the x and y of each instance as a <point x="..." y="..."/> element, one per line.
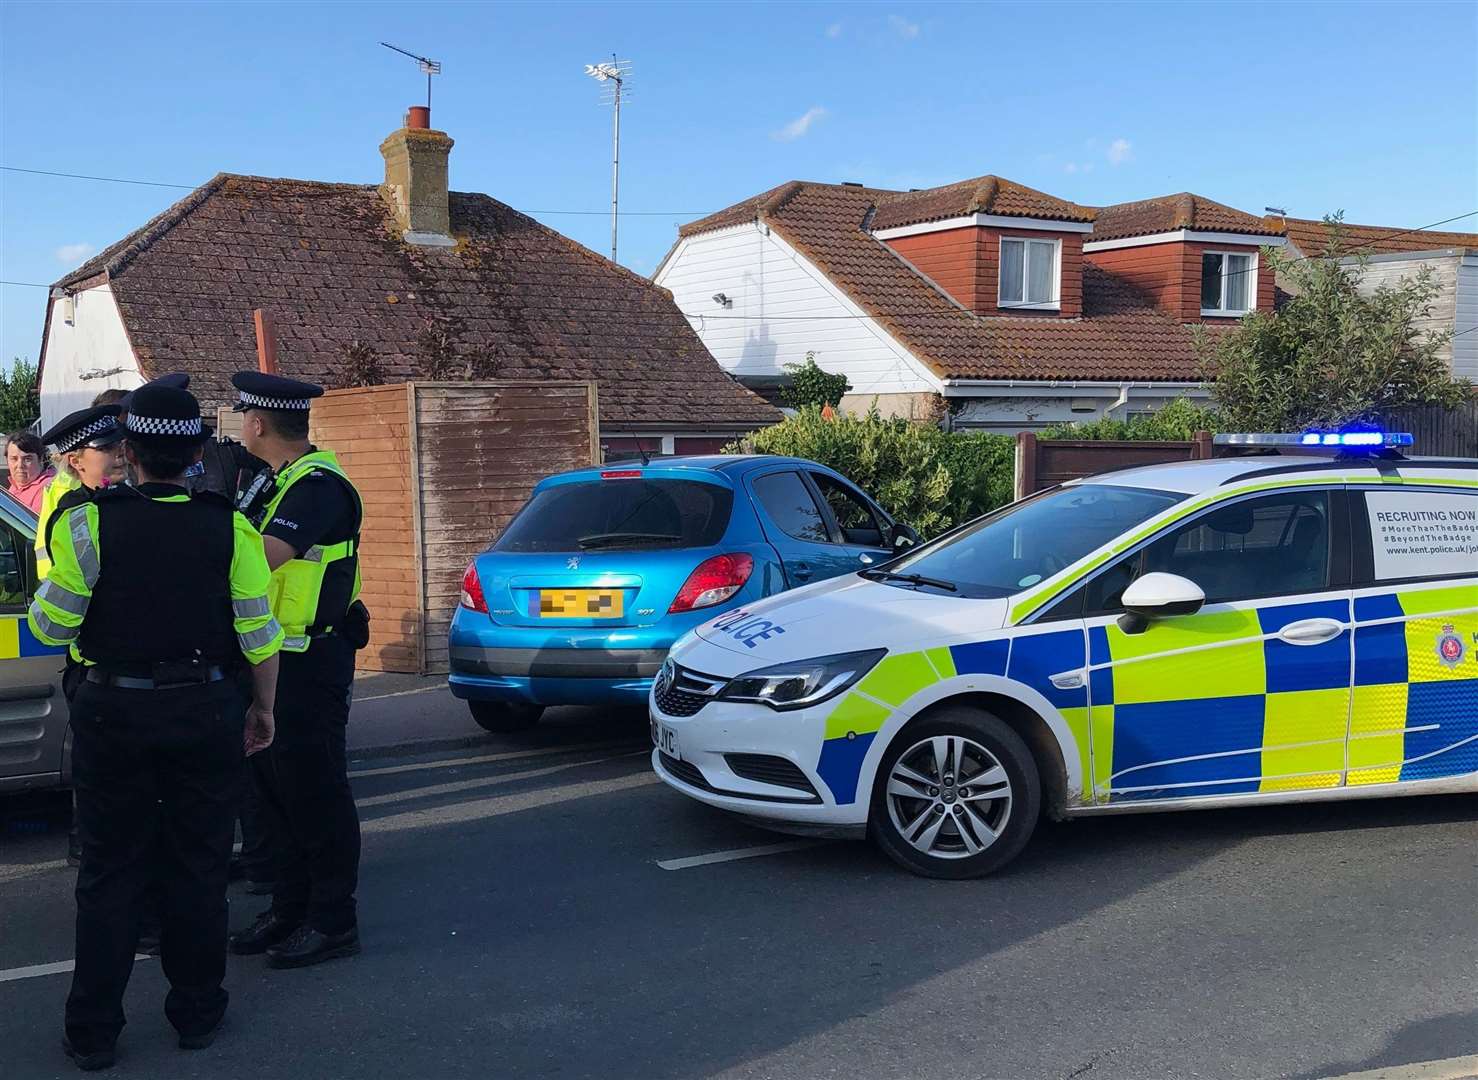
<point x="1216" y="703"/>
<point x="17" y="641"/>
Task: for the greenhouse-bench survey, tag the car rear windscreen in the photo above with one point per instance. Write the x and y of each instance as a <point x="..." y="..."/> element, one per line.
<point x="623" y="514"/>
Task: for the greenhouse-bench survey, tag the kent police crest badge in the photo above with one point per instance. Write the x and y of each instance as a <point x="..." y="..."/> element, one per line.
<point x="1450" y="647"/>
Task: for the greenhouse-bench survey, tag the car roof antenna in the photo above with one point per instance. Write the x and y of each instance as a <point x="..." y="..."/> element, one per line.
<point x="646" y="459"/>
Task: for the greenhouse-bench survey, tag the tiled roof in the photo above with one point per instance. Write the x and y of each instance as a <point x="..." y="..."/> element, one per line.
<point x="982" y="195"/>
<point x="1122" y="334"/>
<point x="1312" y="238"/>
<point x="1169" y="213"/>
<point x="527" y="301"/>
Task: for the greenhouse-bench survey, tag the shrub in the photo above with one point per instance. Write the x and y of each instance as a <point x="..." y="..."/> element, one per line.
<point x="1177" y="421"/>
<point x="924" y="477"/>
<point x="812" y="386"/>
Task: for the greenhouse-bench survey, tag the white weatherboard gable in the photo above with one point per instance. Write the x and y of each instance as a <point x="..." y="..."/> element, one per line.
<point x="783" y="307"/>
<point x="87" y="352"/>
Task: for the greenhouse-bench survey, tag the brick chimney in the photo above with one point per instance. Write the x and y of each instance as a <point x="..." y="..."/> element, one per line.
<point x="416" y="180"/>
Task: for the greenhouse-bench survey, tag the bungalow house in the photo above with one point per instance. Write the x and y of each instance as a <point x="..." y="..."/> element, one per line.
<point x="1015" y="308"/>
<point x="1391" y="254"/>
<point x="405" y="276"/>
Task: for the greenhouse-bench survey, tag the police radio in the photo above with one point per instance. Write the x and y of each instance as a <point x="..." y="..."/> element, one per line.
<point x="253" y="501"/>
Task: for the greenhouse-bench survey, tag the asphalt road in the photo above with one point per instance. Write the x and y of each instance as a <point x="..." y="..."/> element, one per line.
<point x="518" y="923"/>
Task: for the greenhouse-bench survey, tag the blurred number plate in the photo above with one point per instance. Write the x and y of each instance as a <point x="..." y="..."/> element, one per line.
<point x="665" y="739"/>
<point x="581" y="603"/>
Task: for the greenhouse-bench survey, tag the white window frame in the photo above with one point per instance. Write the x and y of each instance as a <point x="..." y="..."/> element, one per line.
<point x="1053" y="304"/>
<point x="1224" y="312"/>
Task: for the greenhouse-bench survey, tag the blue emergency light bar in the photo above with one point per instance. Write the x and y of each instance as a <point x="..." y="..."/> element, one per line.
<point x="1333" y="440"/>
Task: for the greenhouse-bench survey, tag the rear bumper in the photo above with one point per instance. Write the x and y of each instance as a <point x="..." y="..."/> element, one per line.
<point x="550" y="663"/>
<point x="512" y="690"/>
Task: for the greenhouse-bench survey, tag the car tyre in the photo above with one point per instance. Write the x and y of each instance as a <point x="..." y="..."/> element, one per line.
<point x="500" y="717"/>
<point x="981" y="826"/>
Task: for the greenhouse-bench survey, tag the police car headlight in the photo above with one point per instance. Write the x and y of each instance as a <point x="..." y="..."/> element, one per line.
<point x="802" y="683"/>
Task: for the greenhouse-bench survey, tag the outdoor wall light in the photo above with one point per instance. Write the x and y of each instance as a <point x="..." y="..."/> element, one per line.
<point x="723" y="301"/>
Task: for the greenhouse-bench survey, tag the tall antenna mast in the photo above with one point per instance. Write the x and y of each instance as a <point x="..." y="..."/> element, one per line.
<point x="613" y="75"/>
<point x="430" y="67"/>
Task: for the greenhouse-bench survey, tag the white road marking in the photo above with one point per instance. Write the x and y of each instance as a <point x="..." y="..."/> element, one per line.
<point x="480" y="782"/>
<point x="737" y="853"/>
<point x="35" y="971"/>
<point x="1458" y="1068"/>
<point x="507" y="755"/>
<point x="16" y="871"/>
<point x="401" y="693"/>
<point x="479" y="809"/>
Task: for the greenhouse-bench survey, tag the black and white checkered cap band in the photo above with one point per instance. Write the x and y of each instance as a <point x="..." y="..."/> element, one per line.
<point x="159" y="425"/>
<point x="257" y="401"/>
<point x="82" y="434"/>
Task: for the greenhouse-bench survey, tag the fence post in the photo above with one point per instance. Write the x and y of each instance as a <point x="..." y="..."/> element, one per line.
<point x="1025" y="479"/>
<point x="1202" y="446"/>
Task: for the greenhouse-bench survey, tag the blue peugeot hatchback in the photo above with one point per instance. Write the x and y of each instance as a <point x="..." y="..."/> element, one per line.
<point x="603" y="569"/>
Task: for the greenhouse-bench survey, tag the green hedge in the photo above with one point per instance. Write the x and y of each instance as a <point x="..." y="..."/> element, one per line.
<point x="1178" y="421"/>
<point x="925" y="477"/>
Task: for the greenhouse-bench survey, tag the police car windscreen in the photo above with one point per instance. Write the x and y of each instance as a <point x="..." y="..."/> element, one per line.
<point x="621" y="514"/>
<point x="1014" y="549"/>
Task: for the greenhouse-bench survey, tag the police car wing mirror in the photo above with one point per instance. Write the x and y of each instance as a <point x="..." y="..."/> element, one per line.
<point x="1158" y="596"/>
<point x="904" y="537"/>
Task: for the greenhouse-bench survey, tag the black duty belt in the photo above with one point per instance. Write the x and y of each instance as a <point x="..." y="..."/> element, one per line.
<point x="200" y="677"/>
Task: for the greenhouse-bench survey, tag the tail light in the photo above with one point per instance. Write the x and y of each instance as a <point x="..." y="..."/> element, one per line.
<point x="713" y="582"/>
<point x="472" y="597"/>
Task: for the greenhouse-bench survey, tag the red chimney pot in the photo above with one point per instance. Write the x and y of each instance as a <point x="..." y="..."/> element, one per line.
<point x="418" y="116"/>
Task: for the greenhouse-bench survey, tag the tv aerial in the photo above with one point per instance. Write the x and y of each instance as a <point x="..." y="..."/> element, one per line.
<point x="427" y="65"/>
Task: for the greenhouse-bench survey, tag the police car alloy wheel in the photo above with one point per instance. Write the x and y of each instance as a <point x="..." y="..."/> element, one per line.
<point x="957" y="795"/>
<point x="498" y="717"/>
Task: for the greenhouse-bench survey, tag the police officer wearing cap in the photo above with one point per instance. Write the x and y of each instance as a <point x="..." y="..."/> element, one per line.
<point x="163" y="598"/>
<point x="310" y="515"/>
<point x="86" y="452"/>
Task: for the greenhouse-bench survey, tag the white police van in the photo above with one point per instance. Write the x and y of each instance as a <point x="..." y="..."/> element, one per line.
<point x="1295" y="626"/>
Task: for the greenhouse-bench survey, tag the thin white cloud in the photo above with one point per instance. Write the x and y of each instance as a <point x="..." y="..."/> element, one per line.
<point x="72" y="254"/>
<point x="798" y="127"/>
<point x="834" y="30"/>
<point x="1120" y="151"/>
<point x="903" y="28"/>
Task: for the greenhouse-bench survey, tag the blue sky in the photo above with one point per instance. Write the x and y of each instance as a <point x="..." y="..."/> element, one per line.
<point x="1371" y="108"/>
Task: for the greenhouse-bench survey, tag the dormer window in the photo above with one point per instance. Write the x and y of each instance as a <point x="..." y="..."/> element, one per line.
<point x="1228" y="283"/>
<point x="1029" y="273"/>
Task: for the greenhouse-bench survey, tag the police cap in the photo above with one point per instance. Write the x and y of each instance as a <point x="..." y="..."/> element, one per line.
<point x="161" y="413"/>
<point x="96" y="427"/>
<point x="259" y="391"/>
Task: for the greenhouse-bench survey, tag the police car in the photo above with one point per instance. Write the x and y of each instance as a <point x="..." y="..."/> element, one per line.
<point x="1299" y="625"/>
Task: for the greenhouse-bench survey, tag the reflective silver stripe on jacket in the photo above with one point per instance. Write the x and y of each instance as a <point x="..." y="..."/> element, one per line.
<point x="253" y="607"/>
<point x="50" y="628"/>
<point x="298" y="643"/>
<point x="313" y="554"/>
<point x="63" y="599"/>
<point x="259" y="638"/>
<point x="87" y="555"/>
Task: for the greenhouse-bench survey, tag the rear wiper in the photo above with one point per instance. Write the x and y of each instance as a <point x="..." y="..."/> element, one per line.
<point x="912" y="579"/>
<point x="614" y="539"/>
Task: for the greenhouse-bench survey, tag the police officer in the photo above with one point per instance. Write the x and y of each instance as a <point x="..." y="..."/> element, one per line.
<point x="310" y="518"/>
<point x="87" y="455"/>
<point x="162" y="596"/>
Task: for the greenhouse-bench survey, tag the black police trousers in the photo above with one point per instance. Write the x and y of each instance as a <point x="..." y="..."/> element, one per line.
<point x="303" y="784"/>
<point x="157" y="775"/>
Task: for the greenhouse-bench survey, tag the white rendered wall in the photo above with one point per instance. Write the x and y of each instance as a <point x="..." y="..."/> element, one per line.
<point x="784" y="307"/>
<point x="85" y="354"/>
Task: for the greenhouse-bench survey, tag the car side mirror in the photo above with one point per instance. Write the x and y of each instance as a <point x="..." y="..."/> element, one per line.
<point x="904" y="537"/>
<point x="1158" y="596"/>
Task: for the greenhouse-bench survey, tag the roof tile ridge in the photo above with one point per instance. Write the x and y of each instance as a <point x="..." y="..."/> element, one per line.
<point x="985" y="195"/>
<point x="1185" y="211"/>
<point x="141" y="239"/>
<point x="779" y="199"/>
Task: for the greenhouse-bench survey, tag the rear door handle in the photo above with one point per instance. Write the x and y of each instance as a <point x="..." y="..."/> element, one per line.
<point x="1311" y="631"/>
<point x="801" y="571"/>
<point x="865" y="559"/>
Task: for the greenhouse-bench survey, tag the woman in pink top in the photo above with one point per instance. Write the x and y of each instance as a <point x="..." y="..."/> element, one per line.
<point x="29" y="474"/>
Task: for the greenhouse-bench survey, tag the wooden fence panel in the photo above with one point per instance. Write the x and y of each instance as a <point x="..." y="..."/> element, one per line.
<point x="1437" y="431"/>
<point x="1044" y="463"/>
